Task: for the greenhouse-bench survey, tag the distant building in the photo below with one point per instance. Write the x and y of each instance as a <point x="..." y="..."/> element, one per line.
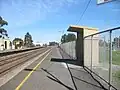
<point x="117" y="42"/>
<point x="5" y="43"/>
<point x="53" y="43"/>
<point x="38" y="44"/>
<point x="45" y="45"/>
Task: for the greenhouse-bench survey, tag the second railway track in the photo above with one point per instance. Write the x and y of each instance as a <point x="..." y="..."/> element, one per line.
<point x="6" y="60"/>
<point x="13" y="61"/>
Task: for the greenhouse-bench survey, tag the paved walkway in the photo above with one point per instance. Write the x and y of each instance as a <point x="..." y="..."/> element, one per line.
<point x="52" y="75"/>
<point x="83" y="81"/>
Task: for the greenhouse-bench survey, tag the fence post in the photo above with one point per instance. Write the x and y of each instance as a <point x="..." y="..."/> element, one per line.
<point x="104" y="62"/>
<point x="91" y="50"/>
<point x="72" y="48"/>
<point x="110" y="60"/>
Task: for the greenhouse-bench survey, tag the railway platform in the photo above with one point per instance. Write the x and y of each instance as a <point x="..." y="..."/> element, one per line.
<point x="45" y="74"/>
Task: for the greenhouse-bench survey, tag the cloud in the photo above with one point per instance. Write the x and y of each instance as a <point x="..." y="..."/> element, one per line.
<point x="25" y="12"/>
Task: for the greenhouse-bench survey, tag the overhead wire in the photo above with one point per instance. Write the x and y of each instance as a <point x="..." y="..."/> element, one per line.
<point x="83" y="12"/>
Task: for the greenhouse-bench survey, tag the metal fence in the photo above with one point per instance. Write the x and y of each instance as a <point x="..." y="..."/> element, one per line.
<point x="69" y="48"/>
<point x="102" y="55"/>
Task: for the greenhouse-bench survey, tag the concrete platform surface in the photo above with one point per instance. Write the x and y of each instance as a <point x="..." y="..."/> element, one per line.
<point x="52" y="76"/>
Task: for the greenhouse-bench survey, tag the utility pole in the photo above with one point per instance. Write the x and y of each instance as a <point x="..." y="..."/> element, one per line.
<point x="62" y="32"/>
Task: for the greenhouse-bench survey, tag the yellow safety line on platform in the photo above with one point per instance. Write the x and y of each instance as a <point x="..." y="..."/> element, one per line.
<point x="25" y="79"/>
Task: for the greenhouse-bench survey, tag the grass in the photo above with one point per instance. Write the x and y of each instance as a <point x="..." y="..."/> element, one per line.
<point x="116" y="61"/>
<point x="104" y="56"/>
<point x="116" y="57"/>
<point x="117" y="75"/>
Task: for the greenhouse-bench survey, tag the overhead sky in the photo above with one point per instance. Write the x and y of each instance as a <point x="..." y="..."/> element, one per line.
<point x="46" y="20"/>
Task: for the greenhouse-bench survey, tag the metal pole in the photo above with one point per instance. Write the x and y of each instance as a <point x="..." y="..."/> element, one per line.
<point x="104" y="52"/>
<point x="110" y="61"/>
<point x="69" y="48"/>
<point x="72" y="49"/>
<point x="91" y="51"/>
<point x="118" y="43"/>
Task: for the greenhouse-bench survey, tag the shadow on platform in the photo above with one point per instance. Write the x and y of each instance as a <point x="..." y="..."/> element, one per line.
<point x="68" y="61"/>
<point x="70" y="69"/>
<point x="54" y="78"/>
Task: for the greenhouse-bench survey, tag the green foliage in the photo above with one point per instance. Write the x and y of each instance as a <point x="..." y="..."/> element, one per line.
<point x="53" y="43"/>
<point x="116" y="57"/>
<point x="117" y="75"/>
<point x="105" y="56"/>
<point x="3" y="31"/>
<point x="18" y="42"/>
<point x="28" y="42"/>
<point x="68" y="38"/>
<point x="45" y="45"/>
<point x="3" y="22"/>
<point x="63" y="38"/>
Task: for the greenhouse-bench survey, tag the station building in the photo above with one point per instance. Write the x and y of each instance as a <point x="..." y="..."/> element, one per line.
<point x="5" y="43"/>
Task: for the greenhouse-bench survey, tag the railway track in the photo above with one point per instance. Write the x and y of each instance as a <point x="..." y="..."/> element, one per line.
<point x="8" y="63"/>
<point x="15" y="54"/>
<point x="8" y="59"/>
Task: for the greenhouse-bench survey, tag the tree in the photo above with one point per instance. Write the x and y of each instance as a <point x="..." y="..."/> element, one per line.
<point x="28" y="42"/>
<point x="45" y="45"/>
<point x="103" y="43"/>
<point x="116" y="42"/>
<point x="3" y="22"/>
<point x="63" y="39"/>
<point x="18" y="42"/>
<point x="3" y="32"/>
<point x="68" y="38"/>
<point x="53" y="43"/>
